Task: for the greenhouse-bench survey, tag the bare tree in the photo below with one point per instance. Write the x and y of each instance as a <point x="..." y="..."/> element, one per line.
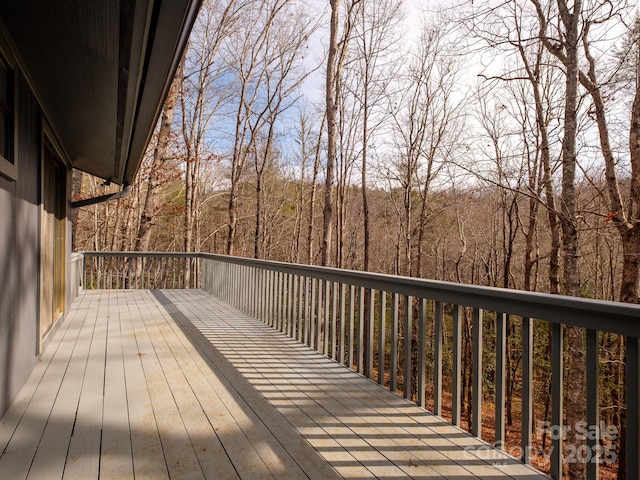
<point x="566" y="49"/>
<point x="304" y="140"/>
<point x="425" y="128"/>
<point x="157" y="172"/>
<point x="280" y="73"/>
<point x="333" y="73"/>
<point x="312" y="195"/>
<point x="202" y="93"/>
<point x="338" y="48"/>
<point x="541" y="82"/>
<point x="266" y="69"/>
<point x="625" y="218"/>
<point x="375" y="38"/>
<point x="565" y="45"/>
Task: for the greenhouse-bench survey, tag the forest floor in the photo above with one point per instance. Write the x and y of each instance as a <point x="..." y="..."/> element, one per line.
<point x="540" y="458"/>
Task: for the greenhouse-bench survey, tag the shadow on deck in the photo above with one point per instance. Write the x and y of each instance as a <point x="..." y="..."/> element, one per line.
<point x="177" y="384"/>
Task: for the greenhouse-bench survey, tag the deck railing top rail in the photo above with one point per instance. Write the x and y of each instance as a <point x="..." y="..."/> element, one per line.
<point x="601" y="315"/>
<point x="614" y="317"/>
<point x="116" y="254"/>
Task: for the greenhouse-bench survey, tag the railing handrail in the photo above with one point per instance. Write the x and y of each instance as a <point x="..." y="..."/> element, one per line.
<point x="604" y="315"/>
<point x="116" y="254"/>
<point x="614" y="317"/>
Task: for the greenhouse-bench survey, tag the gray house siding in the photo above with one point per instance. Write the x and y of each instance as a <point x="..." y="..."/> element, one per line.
<point x="56" y="89"/>
<point x="19" y="251"/>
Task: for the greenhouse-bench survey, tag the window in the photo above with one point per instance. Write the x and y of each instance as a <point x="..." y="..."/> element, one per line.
<point x="7" y="160"/>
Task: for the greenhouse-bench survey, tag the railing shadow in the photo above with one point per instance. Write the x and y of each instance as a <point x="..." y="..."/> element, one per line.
<point x="355" y="424"/>
<point x="80" y="421"/>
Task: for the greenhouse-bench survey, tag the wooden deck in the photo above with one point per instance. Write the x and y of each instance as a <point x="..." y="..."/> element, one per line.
<point x="175" y="384"/>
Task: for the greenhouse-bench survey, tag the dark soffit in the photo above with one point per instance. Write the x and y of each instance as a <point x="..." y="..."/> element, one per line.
<point x="101" y="70"/>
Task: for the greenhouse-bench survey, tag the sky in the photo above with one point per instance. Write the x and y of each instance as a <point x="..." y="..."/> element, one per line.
<point x="415" y="10"/>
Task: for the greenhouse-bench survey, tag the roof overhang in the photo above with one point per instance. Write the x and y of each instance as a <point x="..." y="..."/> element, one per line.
<point x="101" y="70"/>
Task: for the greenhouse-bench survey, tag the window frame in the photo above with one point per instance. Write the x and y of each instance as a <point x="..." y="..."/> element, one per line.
<point x="9" y="166"/>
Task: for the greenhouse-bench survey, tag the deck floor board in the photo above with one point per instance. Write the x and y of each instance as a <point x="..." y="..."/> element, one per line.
<point x="83" y="456"/>
<point x="177" y="384"/>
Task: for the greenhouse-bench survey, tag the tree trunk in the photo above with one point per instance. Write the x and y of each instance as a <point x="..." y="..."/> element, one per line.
<point x="575" y="409"/>
<point x="631" y="238"/>
<point x="568" y="54"/>
<point x="365" y="202"/>
<point x="256" y="234"/>
<point x="365" y="140"/>
<point x="313" y="193"/>
<point x="233" y="218"/>
<point x="152" y="197"/>
<point x="331" y="108"/>
<point x="406" y="234"/>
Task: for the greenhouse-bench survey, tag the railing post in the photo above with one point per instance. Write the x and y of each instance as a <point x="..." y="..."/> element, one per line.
<point x="361" y="318"/>
<point x="312" y="314"/>
<point x="334" y="321"/>
<point x="527" y="389"/>
<point x="393" y="361"/>
<point x="593" y="406"/>
<point x="476" y="365"/>
<point x="300" y="314"/>
<point x="408" y="332"/>
<point x="319" y="319"/>
<point x="257" y="291"/>
<point x="277" y="299"/>
<point x="248" y="286"/>
<point x="556" y="400"/>
<point x="264" y="296"/>
<point x="456" y="374"/>
<point x="437" y="359"/>
<point x="272" y="298"/>
<point x="264" y="290"/>
<point x="309" y="311"/>
<point x="326" y="323"/>
<point x="382" y="325"/>
<point x="225" y="272"/>
<point x="292" y="305"/>
<point x="284" y="288"/>
<point x="90" y="274"/>
<point x="370" y="333"/>
<point x="633" y="406"/>
<point x="83" y="279"/>
<point x="237" y="281"/>
<point x="287" y="304"/>
<point x="251" y="287"/>
<point x="243" y="289"/>
<point x="352" y="304"/>
<point x="422" y="350"/>
<point x="501" y="343"/>
<point x="341" y="339"/>
<point x="281" y="301"/>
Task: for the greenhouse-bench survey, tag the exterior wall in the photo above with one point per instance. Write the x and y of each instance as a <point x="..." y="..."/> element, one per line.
<point x="20" y="250"/>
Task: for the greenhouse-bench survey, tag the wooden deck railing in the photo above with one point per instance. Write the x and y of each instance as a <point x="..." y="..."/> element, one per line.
<point x="148" y="270"/>
<point x="363" y="320"/>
